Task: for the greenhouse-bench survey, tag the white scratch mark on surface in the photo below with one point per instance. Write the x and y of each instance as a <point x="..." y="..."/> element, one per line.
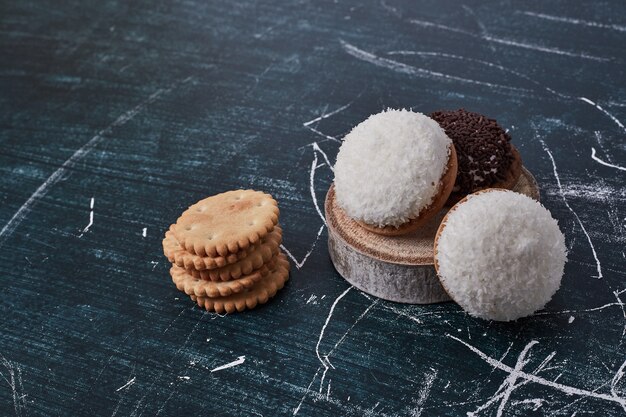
<point x="80" y="153"/>
<point x="535" y="402"/>
<point x="540" y="48"/>
<point x="311" y="124"/>
<point x="500" y="393"/>
<point x="190" y="366"/>
<point x="403" y="313"/>
<point x="571" y="319"/>
<point x="326" y="115"/>
<point x="17" y="387"/>
<point x="574" y="21"/>
<point x="139" y="403"/>
<point x="126" y="385"/>
<point x="509" y="382"/>
<point x="482" y="62"/>
<point x="324" y="361"/>
<point x="144" y="232"/>
<point x="569" y="390"/>
<point x="300" y="264"/>
<point x="328" y="390"/>
<point x="116" y="351"/>
<point x="173" y="321"/>
<point x="597" y="106"/>
<point x="621" y="304"/>
<point x="423" y="394"/>
<point x="340" y="341"/>
<point x="267" y="31"/>
<point x="86" y="229"/>
<point x="426" y="24"/>
<point x="238" y="361"/>
<point x="324" y="135"/>
<point x="259" y="77"/>
<point x="317" y="148"/>
<point x="371" y="411"/>
<point x="579" y="399"/>
<point x="363" y="314"/>
<point x="600" y="161"/>
<point x="124" y="393"/>
<point x="587" y="310"/>
<point x="582" y="226"/>
<point x="483" y="29"/>
<point x="616" y="379"/>
<point x="314" y="166"/>
<point x="312" y="298"/>
<point x="308" y="389"/>
<point x="416" y="319"/>
<point x="411" y="70"/>
<point x="508" y="42"/>
<point x="600" y="141"/>
<point x="312" y="188"/>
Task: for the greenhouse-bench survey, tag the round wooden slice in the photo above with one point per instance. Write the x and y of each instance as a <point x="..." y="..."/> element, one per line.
<point x="395" y="268"/>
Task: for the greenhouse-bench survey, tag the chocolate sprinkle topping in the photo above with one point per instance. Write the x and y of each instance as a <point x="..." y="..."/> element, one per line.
<point x="482" y="147"/>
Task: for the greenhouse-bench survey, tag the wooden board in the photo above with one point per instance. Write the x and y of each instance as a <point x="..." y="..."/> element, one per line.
<point x="395" y="268"/>
<point x="148" y="106"/>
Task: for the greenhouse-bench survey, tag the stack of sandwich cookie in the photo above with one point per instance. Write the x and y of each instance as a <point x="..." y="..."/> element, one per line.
<point x="225" y="251"/>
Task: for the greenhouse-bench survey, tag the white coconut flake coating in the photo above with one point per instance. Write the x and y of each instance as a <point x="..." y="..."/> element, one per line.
<point x="501" y="255"/>
<point x="389" y="167"/>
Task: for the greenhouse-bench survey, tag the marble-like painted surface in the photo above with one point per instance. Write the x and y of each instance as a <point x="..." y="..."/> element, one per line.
<point x="117" y="115"/>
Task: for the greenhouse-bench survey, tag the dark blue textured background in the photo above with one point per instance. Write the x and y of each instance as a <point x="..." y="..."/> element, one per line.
<point x="148" y="106"/>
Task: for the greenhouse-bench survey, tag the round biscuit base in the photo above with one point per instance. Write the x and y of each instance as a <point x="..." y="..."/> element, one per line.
<point x="176" y="254"/>
<point x="258" y="294"/>
<point x="226" y="223"/>
<point x="244" y="262"/>
<point x="191" y="285"/>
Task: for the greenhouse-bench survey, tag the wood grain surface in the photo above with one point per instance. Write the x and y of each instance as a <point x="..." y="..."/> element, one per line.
<point x="115" y="116"/>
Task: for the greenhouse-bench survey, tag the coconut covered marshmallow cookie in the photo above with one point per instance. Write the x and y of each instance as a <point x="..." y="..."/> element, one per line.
<point x="486" y="157"/>
<point x="500" y="255"/>
<point x="394" y="171"/>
